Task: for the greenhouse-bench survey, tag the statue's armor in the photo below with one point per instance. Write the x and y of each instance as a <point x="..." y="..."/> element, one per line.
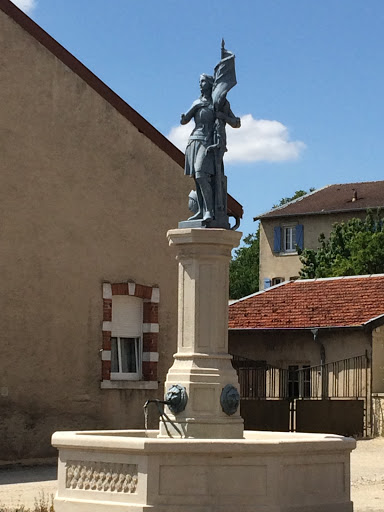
<point x="204" y="119"/>
<point x="197" y="161"/>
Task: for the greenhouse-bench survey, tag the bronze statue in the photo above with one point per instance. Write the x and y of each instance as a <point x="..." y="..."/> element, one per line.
<point x="207" y="144"/>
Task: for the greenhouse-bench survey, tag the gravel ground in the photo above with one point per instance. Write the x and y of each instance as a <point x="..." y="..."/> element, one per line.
<point x="24" y="485"/>
<point x="367" y="475"/>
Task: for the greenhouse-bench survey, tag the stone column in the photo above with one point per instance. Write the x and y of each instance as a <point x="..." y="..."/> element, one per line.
<point x="202" y="363"/>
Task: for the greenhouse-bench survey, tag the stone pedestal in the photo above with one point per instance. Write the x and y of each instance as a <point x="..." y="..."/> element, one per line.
<point x="202" y="363"/>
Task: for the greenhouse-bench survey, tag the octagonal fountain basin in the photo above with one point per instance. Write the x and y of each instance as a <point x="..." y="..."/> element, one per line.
<point x="135" y="471"/>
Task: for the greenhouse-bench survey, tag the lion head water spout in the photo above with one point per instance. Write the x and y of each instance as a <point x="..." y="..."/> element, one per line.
<point x="176" y="399"/>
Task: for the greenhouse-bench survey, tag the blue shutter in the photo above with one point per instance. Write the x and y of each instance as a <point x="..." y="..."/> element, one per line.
<point x="300" y="236"/>
<point x="277" y="239"/>
<point x="267" y="282"/>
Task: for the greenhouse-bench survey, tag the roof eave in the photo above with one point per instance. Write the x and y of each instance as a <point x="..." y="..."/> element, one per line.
<point x="297" y="200"/>
<point x="322" y="212"/>
<point x="375" y="321"/>
<point x="291" y="329"/>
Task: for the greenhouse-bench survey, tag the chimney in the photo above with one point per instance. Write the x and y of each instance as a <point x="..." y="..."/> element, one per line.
<point x="354" y="198"/>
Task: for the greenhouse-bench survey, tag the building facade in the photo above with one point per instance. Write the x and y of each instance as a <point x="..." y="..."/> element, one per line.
<point x="88" y="192"/>
<point x="318" y="341"/>
<point x="298" y="224"/>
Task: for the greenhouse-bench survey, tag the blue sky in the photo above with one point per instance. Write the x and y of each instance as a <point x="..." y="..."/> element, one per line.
<point x="310" y="80"/>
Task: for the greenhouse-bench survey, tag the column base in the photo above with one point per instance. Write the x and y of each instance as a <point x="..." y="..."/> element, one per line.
<point x="200" y="429"/>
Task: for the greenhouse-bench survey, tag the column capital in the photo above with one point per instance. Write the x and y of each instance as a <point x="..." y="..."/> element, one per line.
<point x="207" y="236"/>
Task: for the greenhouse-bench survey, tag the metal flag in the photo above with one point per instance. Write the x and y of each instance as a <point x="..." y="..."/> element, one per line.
<point x="224" y="77"/>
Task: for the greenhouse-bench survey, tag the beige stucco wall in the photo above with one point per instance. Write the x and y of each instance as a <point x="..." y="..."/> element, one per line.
<point x="378" y="360"/>
<point x="84" y="198"/>
<point x="378" y="414"/>
<point x="288" y="265"/>
<point x="281" y="349"/>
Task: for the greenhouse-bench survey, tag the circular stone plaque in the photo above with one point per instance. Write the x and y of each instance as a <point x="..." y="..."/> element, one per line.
<point x="230" y="399"/>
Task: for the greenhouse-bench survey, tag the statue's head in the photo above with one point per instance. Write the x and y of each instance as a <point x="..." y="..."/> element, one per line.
<point x="206" y="83"/>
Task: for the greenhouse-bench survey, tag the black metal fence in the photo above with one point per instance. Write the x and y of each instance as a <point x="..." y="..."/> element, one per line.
<point x="347" y="379"/>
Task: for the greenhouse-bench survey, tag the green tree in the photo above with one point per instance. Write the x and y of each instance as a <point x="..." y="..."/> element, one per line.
<point x="244" y="268"/>
<point x="296" y="195"/>
<point x="355" y="247"/>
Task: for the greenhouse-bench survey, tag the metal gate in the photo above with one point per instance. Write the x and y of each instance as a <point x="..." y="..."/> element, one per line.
<point x="332" y="398"/>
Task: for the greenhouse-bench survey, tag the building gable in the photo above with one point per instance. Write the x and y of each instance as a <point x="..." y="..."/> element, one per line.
<point x="143" y="126"/>
<point x="338" y="198"/>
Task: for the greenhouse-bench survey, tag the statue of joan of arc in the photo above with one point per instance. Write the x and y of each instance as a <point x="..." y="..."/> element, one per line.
<point x="207" y="143"/>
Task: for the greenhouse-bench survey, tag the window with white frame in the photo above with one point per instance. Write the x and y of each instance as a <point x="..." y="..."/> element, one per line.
<point x="289" y="239"/>
<point x="299" y="381"/>
<point x="126" y="338"/>
<point x="286" y="239"/>
<point x="277" y="280"/>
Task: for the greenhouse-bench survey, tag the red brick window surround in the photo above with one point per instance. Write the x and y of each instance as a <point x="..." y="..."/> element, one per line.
<point x="150" y="332"/>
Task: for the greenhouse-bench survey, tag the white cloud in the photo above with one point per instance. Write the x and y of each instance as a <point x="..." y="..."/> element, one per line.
<point x="179" y="135"/>
<point x="256" y="140"/>
<point x="25" y="5"/>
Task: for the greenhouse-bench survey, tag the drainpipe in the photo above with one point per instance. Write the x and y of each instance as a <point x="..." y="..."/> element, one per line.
<point x="323" y="374"/>
<point x="315" y="333"/>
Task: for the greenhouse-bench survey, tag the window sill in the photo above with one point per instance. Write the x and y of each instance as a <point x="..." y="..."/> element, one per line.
<point x="129" y="384"/>
<point x="120" y="377"/>
<point x="293" y="253"/>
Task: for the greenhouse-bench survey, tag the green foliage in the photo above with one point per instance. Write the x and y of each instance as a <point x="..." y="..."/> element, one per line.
<point x="296" y="195"/>
<point x="244" y="268"/>
<point x="353" y="248"/>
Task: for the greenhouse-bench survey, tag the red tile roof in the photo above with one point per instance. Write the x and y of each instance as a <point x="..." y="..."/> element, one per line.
<point x="332" y="302"/>
<point x="344" y="197"/>
<point x="10" y="9"/>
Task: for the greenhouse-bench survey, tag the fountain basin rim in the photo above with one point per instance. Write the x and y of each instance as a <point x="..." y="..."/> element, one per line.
<point x="253" y="442"/>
